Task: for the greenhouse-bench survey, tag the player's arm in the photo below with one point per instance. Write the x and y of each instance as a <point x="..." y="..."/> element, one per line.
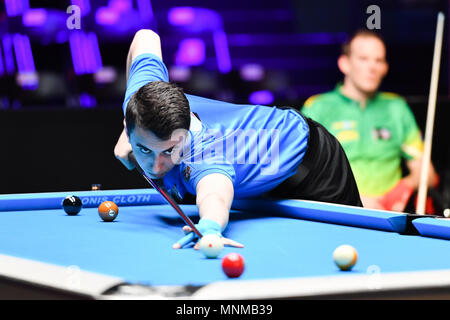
<point x="397" y="198"/>
<point x="144" y="41"/>
<point x="413" y="178"/>
<point x="215" y="194"/>
<point x="371" y="202"/>
<point x="412" y="148"/>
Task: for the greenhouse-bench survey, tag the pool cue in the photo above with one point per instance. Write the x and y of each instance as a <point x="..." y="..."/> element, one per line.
<point x="165" y="194"/>
<point x="423" y="184"/>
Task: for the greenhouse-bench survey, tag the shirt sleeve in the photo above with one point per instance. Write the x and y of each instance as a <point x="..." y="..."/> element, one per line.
<point x="194" y="172"/>
<point x="412" y="144"/>
<point x="145" y="68"/>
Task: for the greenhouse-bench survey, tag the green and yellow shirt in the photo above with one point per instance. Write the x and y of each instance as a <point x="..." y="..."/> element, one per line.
<point x="375" y="138"/>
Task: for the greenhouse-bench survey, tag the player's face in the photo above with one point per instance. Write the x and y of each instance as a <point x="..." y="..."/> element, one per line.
<point x="366" y="65"/>
<point x="155" y="156"/>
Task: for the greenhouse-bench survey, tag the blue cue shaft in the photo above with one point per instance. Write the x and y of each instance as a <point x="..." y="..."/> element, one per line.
<point x="165" y="195"/>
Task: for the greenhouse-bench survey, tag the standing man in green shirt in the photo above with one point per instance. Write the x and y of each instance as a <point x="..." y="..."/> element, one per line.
<point x="376" y="129"/>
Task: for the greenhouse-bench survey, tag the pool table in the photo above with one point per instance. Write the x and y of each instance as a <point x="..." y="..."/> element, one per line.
<point x="45" y="253"/>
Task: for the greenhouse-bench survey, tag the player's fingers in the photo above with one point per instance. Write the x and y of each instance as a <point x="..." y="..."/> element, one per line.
<point x="176" y="246"/>
<point x="378" y="205"/>
<point x="129" y="165"/>
<point x="398" y="206"/>
<point x="229" y="242"/>
<point x="186" y="239"/>
<point x="122" y="149"/>
<point x="187" y="229"/>
<point x="122" y="156"/>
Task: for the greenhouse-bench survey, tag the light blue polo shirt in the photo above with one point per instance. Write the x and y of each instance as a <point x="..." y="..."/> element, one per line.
<point x="256" y="147"/>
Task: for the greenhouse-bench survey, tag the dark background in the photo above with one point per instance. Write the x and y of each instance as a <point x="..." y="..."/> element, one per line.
<point x="60" y="134"/>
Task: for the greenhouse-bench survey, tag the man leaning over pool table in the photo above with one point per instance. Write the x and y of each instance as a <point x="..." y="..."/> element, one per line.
<point x="218" y="151"/>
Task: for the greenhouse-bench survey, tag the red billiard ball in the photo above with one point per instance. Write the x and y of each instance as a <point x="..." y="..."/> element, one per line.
<point x="108" y="211"/>
<point x="233" y="265"/>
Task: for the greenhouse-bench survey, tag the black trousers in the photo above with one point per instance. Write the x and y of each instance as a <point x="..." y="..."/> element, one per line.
<point x="324" y="174"/>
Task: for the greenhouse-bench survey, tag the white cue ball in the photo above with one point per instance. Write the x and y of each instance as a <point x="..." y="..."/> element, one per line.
<point x="447" y="213"/>
<point x="211" y="245"/>
<point x="345" y="257"/>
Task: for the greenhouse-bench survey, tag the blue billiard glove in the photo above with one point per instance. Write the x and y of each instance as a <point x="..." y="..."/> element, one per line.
<point x="204" y="226"/>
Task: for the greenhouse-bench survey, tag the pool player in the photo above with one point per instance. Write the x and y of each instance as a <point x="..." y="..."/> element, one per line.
<point x="219" y="151"/>
<point x="376" y="129"/>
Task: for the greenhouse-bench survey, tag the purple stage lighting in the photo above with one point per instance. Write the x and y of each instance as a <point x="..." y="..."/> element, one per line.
<point x="27" y="77"/>
<point x="105" y="75"/>
<point x="263" y="97"/>
<point x="179" y="73"/>
<point x="85" y="52"/>
<point x="87" y="100"/>
<point x="28" y="80"/>
<point x="120" y="5"/>
<point x="34" y="17"/>
<point x="16" y="7"/>
<point x="44" y="25"/>
<point x="2" y="69"/>
<point x="252" y="72"/>
<point x="121" y="18"/>
<point x="75" y="48"/>
<point x="24" y="56"/>
<point x="195" y="19"/>
<point x="93" y="40"/>
<point x="191" y="52"/>
<point x="201" y="20"/>
<point x="181" y="16"/>
<point x="9" y="57"/>
<point x="61" y="36"/>
<point x="222" y="51"/>
<point x="145" y="9"/>
<point x="84" y="5"/>
<point x="106" y="16"/>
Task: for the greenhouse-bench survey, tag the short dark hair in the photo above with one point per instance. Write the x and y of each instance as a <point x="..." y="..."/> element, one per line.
<point x="160" y="107"/>
<point x="345" y="49"/>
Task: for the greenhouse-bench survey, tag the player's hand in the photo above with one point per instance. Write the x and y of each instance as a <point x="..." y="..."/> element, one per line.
<point x="205" y="226"/>
<point x="226" y="241"/>
<point x="397" y="198"/>
<point x="372" y="202"/>
<point x="123" y="149"/>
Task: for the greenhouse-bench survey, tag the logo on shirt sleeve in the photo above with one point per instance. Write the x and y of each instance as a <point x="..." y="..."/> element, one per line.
<point x="187" y="173"/>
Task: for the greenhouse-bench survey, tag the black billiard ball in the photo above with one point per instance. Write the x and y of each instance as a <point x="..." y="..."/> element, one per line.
<point x="72" y="205"/>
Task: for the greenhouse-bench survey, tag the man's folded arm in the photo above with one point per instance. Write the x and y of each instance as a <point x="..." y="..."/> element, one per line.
<point x="144" y="41"/>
